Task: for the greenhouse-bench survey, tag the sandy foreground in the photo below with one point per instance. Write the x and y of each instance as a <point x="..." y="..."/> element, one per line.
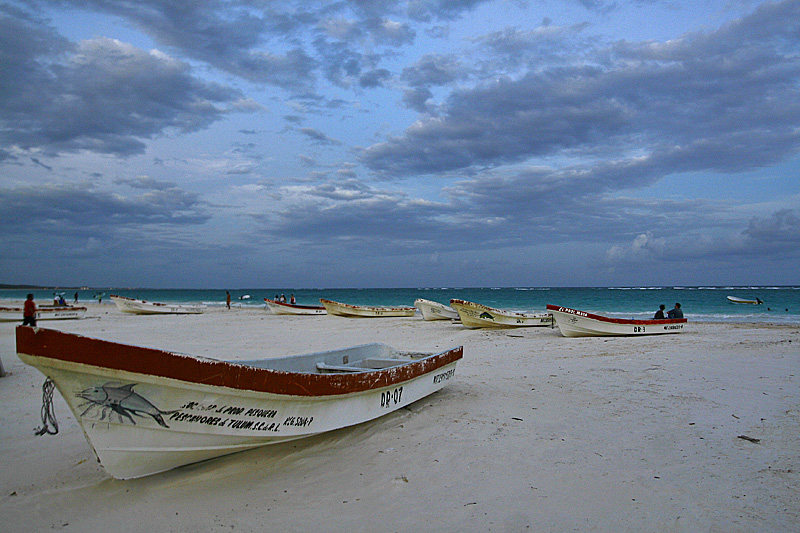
<point x="537" y="433"/>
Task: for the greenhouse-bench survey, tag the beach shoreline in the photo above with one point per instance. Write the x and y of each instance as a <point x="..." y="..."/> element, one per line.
<point x="538" y="432"/>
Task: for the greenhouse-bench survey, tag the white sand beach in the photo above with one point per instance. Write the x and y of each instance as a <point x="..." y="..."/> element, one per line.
<point x="538" y="432"/>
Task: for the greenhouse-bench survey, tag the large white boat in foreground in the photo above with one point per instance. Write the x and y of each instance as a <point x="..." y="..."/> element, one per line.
<point x="434" y="310"/>
<point x="282" y="308"/>
<point x="143" y="307"/>
<point x="574" y="323"/>
<point x="145" y="411"/>
<point x="365" y="311"/>
<point x="474" y="315"/>
<point x="44" y="312"/>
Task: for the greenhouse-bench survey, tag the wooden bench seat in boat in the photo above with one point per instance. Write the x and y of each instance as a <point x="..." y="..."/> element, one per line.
<point x="342" y="368"/>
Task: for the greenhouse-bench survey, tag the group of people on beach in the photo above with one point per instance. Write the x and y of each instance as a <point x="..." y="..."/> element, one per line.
<point x="675" y="312"/>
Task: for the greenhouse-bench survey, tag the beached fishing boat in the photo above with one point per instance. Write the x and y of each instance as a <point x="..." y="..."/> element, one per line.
<point x="44" y="312"/>
<point x="736" y="300"/>
<point x="474" y="315"/>
<point x="364" y="311"/>
<point x="574" y="323"/>
<point x="282" y="308"/>
<point x="146" y="411"/>
<point x="143" y="307"/>
<point x="434" y="310"/>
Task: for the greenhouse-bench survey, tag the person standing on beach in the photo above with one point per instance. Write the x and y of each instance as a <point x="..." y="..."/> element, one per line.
<point x="660" y="312"/>
<point x="676" y="312"/>
<point x="228" y="299"/>
<point x="29" y="312"/>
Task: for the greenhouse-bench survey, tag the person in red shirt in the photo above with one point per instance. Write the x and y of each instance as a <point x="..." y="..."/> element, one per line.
<point x="29" y="312"/>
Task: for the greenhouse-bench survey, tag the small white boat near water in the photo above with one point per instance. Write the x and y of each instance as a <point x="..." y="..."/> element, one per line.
<point x="143" y="307"/>
<point x="474" y="315"/>
<point x="44" y="312"/>
<point x="736" y="300"/>
<point x="434" y="310"/>
<point x="282" y="308"/>
<point x="365" y="311"/>
<point x="574" y="323"/>
<point x="146" y="411"/>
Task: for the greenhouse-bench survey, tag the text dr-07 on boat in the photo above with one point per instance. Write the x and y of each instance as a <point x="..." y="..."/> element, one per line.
<point x="145" y="411"/>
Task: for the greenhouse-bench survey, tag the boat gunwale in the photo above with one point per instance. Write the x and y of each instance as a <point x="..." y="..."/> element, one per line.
<point x="500" y="312"/>
<point x="160" y="304"/>
<point x="610" y="320"/>
<point x="48" y="308"/>
<point x="368" y="307"/>
<point x="295" y="306"/>
<point x="432" y="303"/>
<point x="113" y="356"/>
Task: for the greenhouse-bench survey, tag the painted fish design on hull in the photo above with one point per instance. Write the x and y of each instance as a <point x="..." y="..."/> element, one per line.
<point x="121" y="400"/>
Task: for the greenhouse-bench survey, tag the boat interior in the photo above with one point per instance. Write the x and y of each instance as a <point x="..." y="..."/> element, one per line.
<point x="365" y="358"/>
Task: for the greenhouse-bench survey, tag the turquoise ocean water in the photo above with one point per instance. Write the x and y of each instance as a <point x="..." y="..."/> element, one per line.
<point x="702" y="304"/>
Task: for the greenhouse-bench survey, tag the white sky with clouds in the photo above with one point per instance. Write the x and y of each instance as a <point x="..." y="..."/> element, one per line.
<point x="421" y="143"/>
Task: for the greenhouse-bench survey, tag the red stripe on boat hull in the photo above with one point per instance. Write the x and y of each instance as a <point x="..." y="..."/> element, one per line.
<point x="73" y="348"/>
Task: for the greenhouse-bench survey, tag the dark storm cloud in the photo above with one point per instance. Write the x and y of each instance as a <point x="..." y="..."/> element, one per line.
<point x="80" y="209"/>
<point x="99" y="95"/>
<point x="362" y="218"/>
<point x="782" y="227"/>
<point x="269" y="42"/>
<point x="776" y="236"/>
<point x="374" y="78"/>
<point x="728" y="100"/>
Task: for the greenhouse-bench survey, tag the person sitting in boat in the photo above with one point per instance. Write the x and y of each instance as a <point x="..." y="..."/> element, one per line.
<point x="660" y="313"/>
<point x="292" y="300"/>
<point x="676" y="312"/>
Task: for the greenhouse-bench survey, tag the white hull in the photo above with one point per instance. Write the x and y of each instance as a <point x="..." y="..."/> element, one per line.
<point x="181" y="421"/>
<point x="735" y="300"/>
<point x="434" y="310"/>
<point x="142" y="307"/>
<point x="573" y="323"/>
<point x="475" y="315"/>
<point x="362" y="311"/>
<point x="280" y="308"/>
<point x="60" y="312"/>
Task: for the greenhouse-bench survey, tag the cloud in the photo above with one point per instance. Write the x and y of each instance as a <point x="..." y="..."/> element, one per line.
<point x="317" y="136"/>
<point x="275" y="44"/>
<point x="726" y="101"/>
<point x="777" y="234"/>
<point x="99" y="95"/>
<point x="81" y="209"/>
<point x="781" y="228"/>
